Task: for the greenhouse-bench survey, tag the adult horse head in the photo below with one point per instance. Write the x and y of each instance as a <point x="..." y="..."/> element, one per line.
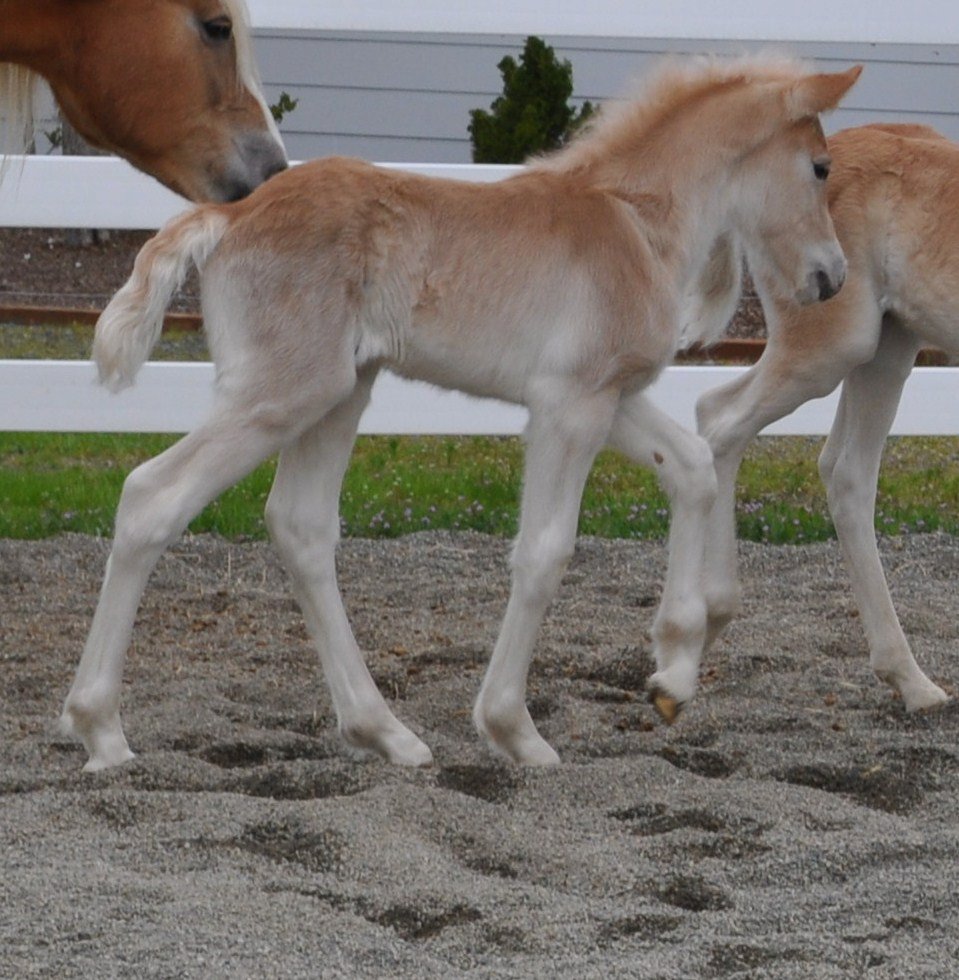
<point x="170" y="85"/>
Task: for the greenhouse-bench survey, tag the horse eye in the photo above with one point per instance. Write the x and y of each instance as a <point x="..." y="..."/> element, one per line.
<point x="821" y="170"/>
<point x="218" y="29"/>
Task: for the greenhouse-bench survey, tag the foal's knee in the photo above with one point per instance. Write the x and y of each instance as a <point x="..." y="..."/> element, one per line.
<point x="827" y="462"/>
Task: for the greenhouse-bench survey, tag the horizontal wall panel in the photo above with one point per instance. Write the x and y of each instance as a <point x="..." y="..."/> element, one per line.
<point x="407" y="96"/>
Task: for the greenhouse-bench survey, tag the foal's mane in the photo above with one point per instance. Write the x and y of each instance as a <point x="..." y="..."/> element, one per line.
<point x="674" y="85"/>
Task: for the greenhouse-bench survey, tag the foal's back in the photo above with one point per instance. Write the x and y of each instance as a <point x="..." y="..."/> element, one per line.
<point x="467" y="285"/>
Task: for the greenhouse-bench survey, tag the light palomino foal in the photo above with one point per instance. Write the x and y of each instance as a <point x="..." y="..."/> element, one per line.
<point x="170" y="85"/>
<point x="561" y="288"/>
<point x="894" y="198"/>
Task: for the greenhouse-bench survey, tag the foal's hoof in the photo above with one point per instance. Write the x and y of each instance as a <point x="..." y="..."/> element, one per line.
<point x="925" y="697"/>
<point x="103" y="738"/>
<point x="525" y="750"/>
<point x="670" y="690"/>
<point x="388" y="739"/>
<point x="512" y="735"/>
<point x="667" y="707"/>
<point x="917" y="691"/>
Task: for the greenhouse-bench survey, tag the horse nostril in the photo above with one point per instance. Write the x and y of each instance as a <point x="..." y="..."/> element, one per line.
<point x="827" y="289"/>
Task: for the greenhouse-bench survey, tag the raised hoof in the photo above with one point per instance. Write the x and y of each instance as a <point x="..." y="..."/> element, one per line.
<point x="667" y="707"/>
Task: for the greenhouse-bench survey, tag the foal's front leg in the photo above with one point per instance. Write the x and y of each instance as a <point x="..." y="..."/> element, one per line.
<point x="564" y="434"/>
<point x="729" y="418"/>
<point x="303" y="518"/>
<point x="684" y="465"/>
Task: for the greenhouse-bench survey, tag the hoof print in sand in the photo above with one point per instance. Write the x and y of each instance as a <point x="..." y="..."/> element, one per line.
<point x="493" y="783"/>
<point x="315" y="850"/>
<point x="299" y="781"/>
<point x="875" y="786"/>
<point x="694" y="894"/>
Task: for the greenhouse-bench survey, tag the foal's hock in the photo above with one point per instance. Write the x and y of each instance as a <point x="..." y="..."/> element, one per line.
<point x="565" y="289"/>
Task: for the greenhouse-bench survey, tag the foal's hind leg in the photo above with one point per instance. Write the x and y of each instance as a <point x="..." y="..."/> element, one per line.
<point x="849" y="465"/>
<point x="159" y="499"/>
<point x="684" y="465"/>
<point x="303" y="518"/>
<point x="562" y="440"/>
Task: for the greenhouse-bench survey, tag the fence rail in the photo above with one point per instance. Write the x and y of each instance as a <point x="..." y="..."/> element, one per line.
<point x="107" y="193"/>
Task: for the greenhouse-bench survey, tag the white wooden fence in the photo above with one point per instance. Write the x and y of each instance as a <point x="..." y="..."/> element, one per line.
<point x="107" y="193"/>
<point x="169" y="397"/>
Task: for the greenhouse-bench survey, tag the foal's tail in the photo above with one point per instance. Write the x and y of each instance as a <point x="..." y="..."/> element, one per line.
<point x="130" y="325"/>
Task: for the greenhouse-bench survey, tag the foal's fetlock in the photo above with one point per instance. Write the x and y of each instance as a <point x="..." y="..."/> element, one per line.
<point x="917" y="691"/>
<point x="722" y="607"/>
<point x="99" y="730"/>
<point x="387" y="738"/>
<point x="719" y="616"/>
<point x="509" y="731"/>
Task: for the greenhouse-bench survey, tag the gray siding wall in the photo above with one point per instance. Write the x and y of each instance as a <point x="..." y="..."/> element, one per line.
<point x="406" y="97"/>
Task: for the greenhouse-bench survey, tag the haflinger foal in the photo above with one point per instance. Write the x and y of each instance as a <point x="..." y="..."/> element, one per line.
<point x="894" y="198"/>
<point x="563" y="288"/>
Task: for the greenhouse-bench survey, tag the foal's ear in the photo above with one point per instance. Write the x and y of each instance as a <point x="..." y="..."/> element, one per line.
<point x="817" y="93"/>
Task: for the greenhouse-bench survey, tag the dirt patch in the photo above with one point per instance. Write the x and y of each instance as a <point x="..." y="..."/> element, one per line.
<point x="40" y="267"/>
<point x="795" y="823"/>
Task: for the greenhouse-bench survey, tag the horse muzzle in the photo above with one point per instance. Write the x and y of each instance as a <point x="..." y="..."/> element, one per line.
<point x="824" y="282"/>
<point x="258" y="157"/>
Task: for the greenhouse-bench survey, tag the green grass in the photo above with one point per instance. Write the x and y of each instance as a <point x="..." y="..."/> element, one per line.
<point x="71" y="343"/>
<point x="51" y="483"/>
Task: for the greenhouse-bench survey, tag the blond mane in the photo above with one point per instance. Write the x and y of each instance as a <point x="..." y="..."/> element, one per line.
<point x="676" y="83"/>
<point x="247" y="73"/>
